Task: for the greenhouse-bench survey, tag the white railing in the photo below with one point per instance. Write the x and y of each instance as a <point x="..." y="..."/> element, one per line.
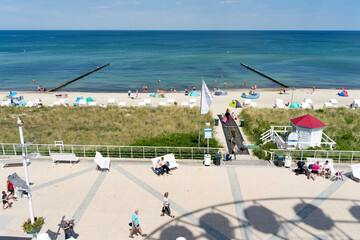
<point x="337" y="156"/>
<point x="145" y="152"/>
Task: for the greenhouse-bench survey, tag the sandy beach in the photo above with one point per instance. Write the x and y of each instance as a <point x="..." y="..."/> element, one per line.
<point x="219" y="105"/>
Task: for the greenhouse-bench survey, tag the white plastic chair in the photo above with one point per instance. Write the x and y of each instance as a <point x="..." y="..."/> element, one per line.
<point x="356" y="103"/>
<point x="170" y="101"/>
<point x="356" y="171"/>
<point x="111" y="101"/>
<point x="122" y="104"/>
<point x="147" y="101"/>
<point x="328" y="105"/>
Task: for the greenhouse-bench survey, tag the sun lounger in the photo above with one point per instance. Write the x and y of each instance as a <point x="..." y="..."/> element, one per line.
<point x="68" y="157"/>
<point x="170" y="101"/>
<point x="328" y="105"/>
<point x="82" y="102"/>
<point x="334" y="102"/>
<point x="122" y="104"/>
<point x="184" y="104"/>
<point x="30" y="104"/>
<point x="279" y="103"/>
<point x="305" y="105"/>
<point x="162" y="103"/>
<point x="192" y="101"/>
<point x="355" y="104"/>
<point x="147" y="101"/>
<point x="356" y="171"/>
<point x="103" y="163"/>
<point x="247" y="102"/>
<point x="308" y="100"/>
<point x="111" y="101"/>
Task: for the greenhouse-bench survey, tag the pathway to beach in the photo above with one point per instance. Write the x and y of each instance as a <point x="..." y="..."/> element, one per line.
<point x="226" y="202"/>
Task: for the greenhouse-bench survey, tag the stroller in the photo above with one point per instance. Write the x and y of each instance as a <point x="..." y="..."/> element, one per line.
<point x="301" y="169"/>
<point x="338" y="176"/>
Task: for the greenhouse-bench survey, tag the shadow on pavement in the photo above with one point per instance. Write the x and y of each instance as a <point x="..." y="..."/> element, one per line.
<point x="355" y="211"/>
<point x="262" y="219"/>
<point x="317" y="218"/>
<point x="174" y="232"/>
<point x="14" y="238"/>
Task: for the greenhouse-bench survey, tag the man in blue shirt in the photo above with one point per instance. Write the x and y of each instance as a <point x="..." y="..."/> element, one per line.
<point x="135" y="224"/>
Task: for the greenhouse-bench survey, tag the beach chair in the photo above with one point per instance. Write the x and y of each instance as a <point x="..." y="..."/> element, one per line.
<point x="253" y="104"/>
<point x="92" y="104"/>
<point x="103" y="163"/>
<point x="328" y="105"/>
<point x="122" y="104"/>
<point x="30" y="104"/>
<point x="56" y="103"/>
<point x="170" y="101"/>
<point x="279" y="103"/>
<point x="6" y="103"/>
<point x="192" y="101"/>
<point x="62" y="102"/>
<point x="247" y="102"/>
<point x="184" y="104"/>
<point x="147" y="101"/>
<point x="334" y="102"/>
<point x="305" y="105"/>
<point x="308" y="100"/>
<point x="82" y="102"/>
<point x="142" y="104"/>
<point x="162" y="103"/>
<point x="111" y="101"/>
<point x="355" y="171"/>
<point x="355" y="104"/>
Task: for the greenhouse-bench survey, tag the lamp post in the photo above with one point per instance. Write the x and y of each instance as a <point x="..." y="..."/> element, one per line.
<point x="23" y="145"/>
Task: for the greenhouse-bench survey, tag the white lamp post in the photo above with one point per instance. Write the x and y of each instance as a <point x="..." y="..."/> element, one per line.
<point x="31" y="209"/>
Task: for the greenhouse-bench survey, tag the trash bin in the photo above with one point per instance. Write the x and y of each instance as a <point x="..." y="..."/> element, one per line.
<point x="217" y="159"/>
<point x="288" y="161"/>
<point x="280" y="160"/>
<point x="207" y="159"/>
<point x="242" y="123"/>
<point x="216" y="122"/>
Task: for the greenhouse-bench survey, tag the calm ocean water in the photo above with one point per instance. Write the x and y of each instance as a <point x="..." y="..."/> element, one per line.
<point x="328" y="59"/>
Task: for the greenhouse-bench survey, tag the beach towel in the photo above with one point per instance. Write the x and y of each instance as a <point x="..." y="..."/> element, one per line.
<point x="224" y="119"/>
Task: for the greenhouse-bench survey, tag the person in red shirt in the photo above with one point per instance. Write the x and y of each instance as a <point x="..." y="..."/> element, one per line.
<point x="11" y="189"/>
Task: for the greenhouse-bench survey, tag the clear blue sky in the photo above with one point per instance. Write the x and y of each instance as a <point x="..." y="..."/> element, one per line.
<point x="181" y="14"/>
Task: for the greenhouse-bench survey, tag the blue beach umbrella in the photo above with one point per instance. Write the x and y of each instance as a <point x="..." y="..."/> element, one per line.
<point x="12" y="94"/>
<point x="194" y="94"/>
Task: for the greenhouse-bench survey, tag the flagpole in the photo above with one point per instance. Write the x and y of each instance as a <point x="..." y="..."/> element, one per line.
<point x="200" y="110"/>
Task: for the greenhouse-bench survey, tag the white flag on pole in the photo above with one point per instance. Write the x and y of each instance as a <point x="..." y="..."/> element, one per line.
<point x="206" y="98"/>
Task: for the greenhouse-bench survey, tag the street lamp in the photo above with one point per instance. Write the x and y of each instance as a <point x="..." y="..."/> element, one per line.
<point x="23" y="145"/>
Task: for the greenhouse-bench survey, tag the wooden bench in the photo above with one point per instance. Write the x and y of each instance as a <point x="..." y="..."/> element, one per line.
<point x="5" y="161"/>
<point x="60" y="157"/>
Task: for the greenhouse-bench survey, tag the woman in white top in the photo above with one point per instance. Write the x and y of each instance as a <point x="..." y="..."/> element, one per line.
<point x="166" y="206"/>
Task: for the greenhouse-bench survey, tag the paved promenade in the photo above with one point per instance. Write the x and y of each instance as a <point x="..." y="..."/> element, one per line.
<point x="226" y="202"/>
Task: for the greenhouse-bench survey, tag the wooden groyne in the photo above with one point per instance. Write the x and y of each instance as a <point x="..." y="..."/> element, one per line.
<point x="275" y="81"/>
<point x="84" y="75"/>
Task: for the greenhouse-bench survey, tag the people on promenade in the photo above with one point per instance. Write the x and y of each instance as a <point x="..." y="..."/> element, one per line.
<point x="235" y="150"/>
<point x="227" y="114"/>
<point x="164" y="166"/>
<point x="166" y="206"/>
<point x="5" y="200"/>
<point x="68" y="228"/>
<point x="135" y="224"/>
<point x="158" y="168"/>
<point x="315" y="170"/>
<point x="11" y="189"/>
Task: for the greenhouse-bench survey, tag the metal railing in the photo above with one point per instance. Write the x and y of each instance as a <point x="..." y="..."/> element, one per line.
<point x="337" y="156"/>
<point x="110" y="151"/>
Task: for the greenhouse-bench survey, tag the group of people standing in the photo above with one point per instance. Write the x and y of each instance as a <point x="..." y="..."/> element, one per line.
<point x="6" y="196"/>
<point x="165" y="209"/>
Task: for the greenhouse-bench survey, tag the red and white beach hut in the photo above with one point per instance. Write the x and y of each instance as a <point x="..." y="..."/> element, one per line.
<point x="309" y="130"/>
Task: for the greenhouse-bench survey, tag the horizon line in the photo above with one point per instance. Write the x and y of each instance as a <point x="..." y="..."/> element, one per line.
<point x="309" y="30"/>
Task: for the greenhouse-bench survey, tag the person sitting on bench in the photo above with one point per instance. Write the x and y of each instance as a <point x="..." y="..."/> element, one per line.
<point x="164" y="165"/>
<point x="158" y="168"/>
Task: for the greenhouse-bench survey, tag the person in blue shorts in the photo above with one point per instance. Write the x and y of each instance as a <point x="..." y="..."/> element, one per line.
<point x="135" y="224"/>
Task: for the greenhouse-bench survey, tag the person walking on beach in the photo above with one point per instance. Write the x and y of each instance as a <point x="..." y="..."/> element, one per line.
<point x="224" y="84"/>
<point x="129" y="93"/>
<point x="166" y="206"/>
<point x="5" y="200"/>
<point x="11" y="189"/>
<point x="137" y="93"/>
<point x="135" y="224"/>
<point x="313" y="89"/>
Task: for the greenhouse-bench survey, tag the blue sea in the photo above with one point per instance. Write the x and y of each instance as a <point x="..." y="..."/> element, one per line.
<point x="327" y="59"/>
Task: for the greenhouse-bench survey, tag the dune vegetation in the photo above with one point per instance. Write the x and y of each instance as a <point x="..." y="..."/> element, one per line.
<point x="165" y="126"/>
<point x="342" y="124"/>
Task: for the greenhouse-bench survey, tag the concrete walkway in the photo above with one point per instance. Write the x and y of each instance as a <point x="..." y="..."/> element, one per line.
<point x="226" y="202"/>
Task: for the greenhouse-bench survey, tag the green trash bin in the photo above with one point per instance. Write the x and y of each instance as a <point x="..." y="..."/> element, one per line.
<point x="216" y="122"/>
<point x="242" y="123"/>
<point x="280" y="160"/>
